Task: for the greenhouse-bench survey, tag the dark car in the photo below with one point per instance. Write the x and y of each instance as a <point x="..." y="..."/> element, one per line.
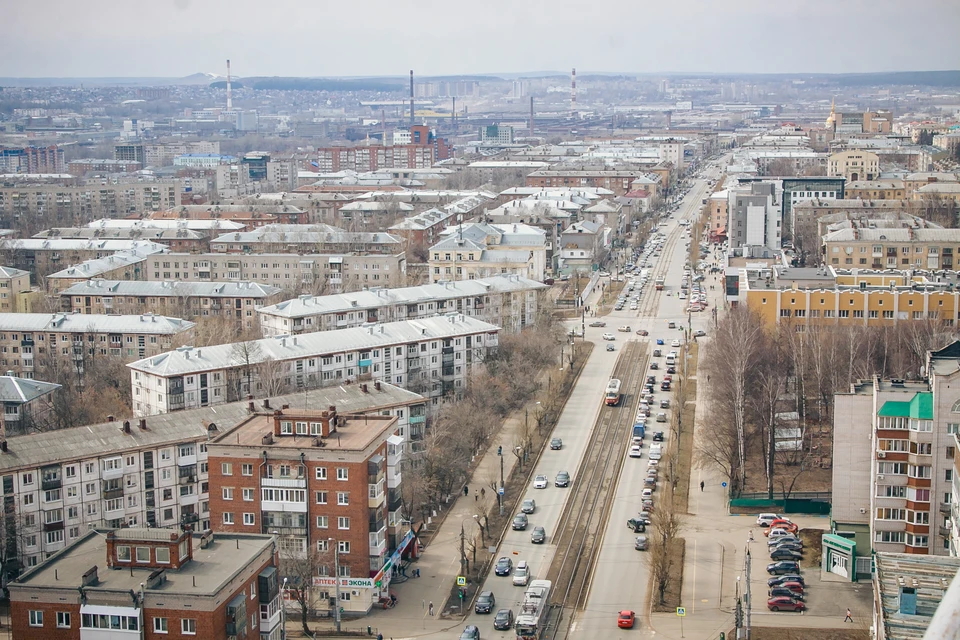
<point x="504" y="620"/>
<point x="785" y="554"/>
<point x="664" y="386"/>
<point x="651" y="379"/>
<point x="789" y="544"/>
<point x="794" y="587"/>
<point x="504" y="566"/>
<point x="781" y="592"/>
<point x="780" y="568"/>
<point x="562" y="480"/>
<point x="520" y="522"/>
<point x="671" y="370"/>
<point x="784" y="603"/>
<point x="485" y="602"/>
<point x="556" y="444"/>
<point x="539" y="535"/>
<point x="778" y="580"/>
<point x="470" y="632"/>
<point x="637" y="525"/>
<point x="658" y="436"/>
<point x="654" y="366"/>
<point x="778" y="540"/>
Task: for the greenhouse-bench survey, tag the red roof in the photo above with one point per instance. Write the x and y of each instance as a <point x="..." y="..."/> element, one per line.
<point x="642" y="193"/>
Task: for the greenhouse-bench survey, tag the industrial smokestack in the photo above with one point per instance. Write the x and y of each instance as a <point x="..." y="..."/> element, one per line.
<point x="531" y="116"/>
<point x="411" y="97"/>
<point x="229" y="89"/>
<point x="453" y="114"/>
<point x="573" y="91"/>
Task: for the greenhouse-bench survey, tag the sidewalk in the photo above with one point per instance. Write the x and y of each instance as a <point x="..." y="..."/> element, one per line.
<point x="440" y="563"/>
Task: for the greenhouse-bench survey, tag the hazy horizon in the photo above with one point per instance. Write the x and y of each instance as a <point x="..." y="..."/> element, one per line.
<point x="177" y="38"/>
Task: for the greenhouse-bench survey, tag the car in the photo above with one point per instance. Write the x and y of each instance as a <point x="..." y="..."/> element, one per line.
<point x="658" y="436"/>
<point x="668" y="378"/>
<point x="784" y="603"/>
<point x="671" y="325"/>
<point x="778" y="580"/>
<point x="636" y="451"/>
<point x="637" y="525"/>
<point x="778" y="592"/>
<point x="654" y="366"/>
<point x="625" y="619"/>
<point x="503" y="620"/>
<point x="651" y="379"/>
<point x="538" y="535"/>
<point x="562" y="479"/>
<point x="779" y="524"/>
<point x="504" y="566"/>
<point x="598" y="323"/>
<point x="675" y="343"/>
<point x="610" y="347"/>
<point x="521" y="574"/>
<point x="778" y="534"/>
<point x="529" y="505"/>
<point x="665" y="403"/>
<point x="520" y="522"/>
<point x="789" y="544"/>
<point x="650" y="481"/>
<point x="540" y="482"/>
<point x="659" y="343"/>
<point x="485" y="602"/>
<point x="661" y="417"/>
<point x="665" y="385"/>
<point x="795" y="587"/>
<point x="642" y="332"/>
<point x="624" y="329"/>
<point x="470" y="632"/>
<point x="647" y="494"/>
<point x="783" y="567"/>
<point x="699" y="333"/>
<point x="556" y="444"/>
<point x="609" y="336"/>
<point x="657" y="353"/>
<point x="785" y="554"/>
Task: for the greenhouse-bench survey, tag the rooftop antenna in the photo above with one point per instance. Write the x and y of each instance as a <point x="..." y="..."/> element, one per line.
<point x="229" y="89"/>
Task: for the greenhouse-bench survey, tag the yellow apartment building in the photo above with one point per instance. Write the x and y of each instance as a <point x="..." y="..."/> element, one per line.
<point x="875" y="190"/>
<point x="892" y="248"/>
<point x="808" y="297"/>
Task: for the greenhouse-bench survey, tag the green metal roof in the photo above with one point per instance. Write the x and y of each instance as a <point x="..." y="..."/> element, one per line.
<point x="920" y="407"/>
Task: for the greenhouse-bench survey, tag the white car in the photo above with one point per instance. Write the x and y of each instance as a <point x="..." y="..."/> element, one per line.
<point x="633" y="306"/>
<point x="609" y="336"/>
<point x="675" y="343"/>
<point x="636" y="451"/>
<point x="540" y="482"/>
<point x="624" y="329"/>
<point x="764" y="519"/>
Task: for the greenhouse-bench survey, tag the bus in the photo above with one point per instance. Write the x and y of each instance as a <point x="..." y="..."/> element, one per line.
<point x="532" y="616"/>
<point x="612" y="396"/>
<point x="659" y="283"/>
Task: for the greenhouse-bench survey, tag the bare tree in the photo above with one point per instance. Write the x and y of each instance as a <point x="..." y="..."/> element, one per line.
<point x="665" y="550"/>
<point x="299" y="570"/>
<point x="247" y="355"/>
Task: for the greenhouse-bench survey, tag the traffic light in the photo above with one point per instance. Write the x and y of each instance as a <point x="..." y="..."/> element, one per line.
<point x="462" y="592"/>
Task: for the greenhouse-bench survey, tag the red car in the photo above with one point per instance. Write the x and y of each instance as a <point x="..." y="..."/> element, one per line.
<point x="625" y="619"/>
<point x="795" y="587"/>
<point x="783" y="603"/>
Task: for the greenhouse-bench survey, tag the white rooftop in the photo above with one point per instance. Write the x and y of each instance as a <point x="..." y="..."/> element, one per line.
<point x="102" y="287"/>
<point x="93" y="323"/>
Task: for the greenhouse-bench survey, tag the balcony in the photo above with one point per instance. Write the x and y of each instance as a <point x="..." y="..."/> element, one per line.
<point x="945" y="507"/>
<point x="112" y="494"/>
<point x="285" y="507"/>
<point x="185" y="461"/>
<point x="944" y="531"/>
<point x="286" y="531"/>
<point x="375" y="495"/>
<point x="51" y="483"/>
<point x="284" y="483"/>
<point x="187" y="479"/>
<point x="378" y="542"/>
<point x="53" y="526"/>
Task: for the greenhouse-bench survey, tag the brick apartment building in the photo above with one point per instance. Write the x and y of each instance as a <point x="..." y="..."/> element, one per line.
<point x="152" y="583"/>
<point x="43" y="256"/>
<point x="616" y="181"/>
<point x="327" y="484"/>
<point x="425" y="150"/>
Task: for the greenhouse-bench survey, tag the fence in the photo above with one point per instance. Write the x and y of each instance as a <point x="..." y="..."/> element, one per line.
<point x="806" y="502"/>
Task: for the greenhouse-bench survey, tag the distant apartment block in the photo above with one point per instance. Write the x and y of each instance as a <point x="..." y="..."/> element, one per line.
<point x="42" y="256"/>
<point x="130" y="152"/>
<point x="87" y="202"/>
<point x="300" y="238"/>
<point x="424" y="150"/>
<point x="892" y="248"/>
<point x="431" y="356"/>
<point x="123" y="265"/>
<point x="163" y="154"/>
<point x="26" y="337"/>
<point x="100" y="165"/>
<point x="480" y="250"/>
<point x="315" y="272"/>
<point x="510" y="302"/>
<point x="13" y="284"/>
<point x="616" y="181"/>
<point x="236" y="301"/>
<point x="178" y="239"/>
<point x="250" y="216"/>
<point x="423" y="229"/>
<point x="32" y="159"/>
<point x="26" y="404"/>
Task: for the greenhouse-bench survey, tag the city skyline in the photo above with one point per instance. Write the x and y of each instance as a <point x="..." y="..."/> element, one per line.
<point x="187" y="37"/>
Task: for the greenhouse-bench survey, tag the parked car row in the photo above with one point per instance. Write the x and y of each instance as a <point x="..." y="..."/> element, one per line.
<point x="786" y="587"/>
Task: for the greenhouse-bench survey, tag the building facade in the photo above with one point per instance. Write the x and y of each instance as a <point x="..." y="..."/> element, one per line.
<point x="854" y="165"/>
<point x="875" y="190"/>
<point x="511" y="302"/>
<point x="481" y="250"/>
<point x="431" y="356"/>
<point x="152" y="583"/>
<point x="892" y="248"/>
<point x="13" y="284"/>
<point x="43" y="256"/>
<point x="328" y="485"/>
<point x="123" y="265"/>
<point x="26" y="337"/>
<point x="754" y="217"/>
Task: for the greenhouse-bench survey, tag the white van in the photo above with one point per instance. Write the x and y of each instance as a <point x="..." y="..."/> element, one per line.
<point x="521" y="574"/>
<point x="671" y="358"/>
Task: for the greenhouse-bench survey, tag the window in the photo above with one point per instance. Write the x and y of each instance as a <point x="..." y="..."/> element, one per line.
<point x="123" y="553"/>
<point x="63" y="619"/>
<point x="322" y="522"/>
<point x="227" y="517"/>
<point x="323" y="545"/>
<point x="248" y="495"/>
<point x="342" y="473"/>
<point x="321" y="497"/>
<point x="36" y="618"/>
<point x="343" y="546"/>
<point x="889" y="536"/>
<point x="160" y="625"/>
<point x="246" y="469"/>
<point x="228" y="493"/>
<point x="143" y="554"/>
<point x="343" y="498"/>
<point x="321" y="473"/>
<point x="249" y="519"/>
<point x="226" y="468"/>
<point x="163" y="555"/>
<point x="343" y="522"/>
<point x="188" y="626"/>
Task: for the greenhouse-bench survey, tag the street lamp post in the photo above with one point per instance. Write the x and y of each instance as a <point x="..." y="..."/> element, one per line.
<point x="500" y="491"/>
<point x="283" y="610"/>
<point x="336" y="582"/>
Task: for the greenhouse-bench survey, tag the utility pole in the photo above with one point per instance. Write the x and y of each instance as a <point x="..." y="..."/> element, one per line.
<point x="463" y="554"/>
<point x="500" y="492"/>
<point x="747" y="595"/>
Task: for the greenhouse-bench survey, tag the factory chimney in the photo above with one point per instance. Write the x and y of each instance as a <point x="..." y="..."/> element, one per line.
<point x="573" y="92"/>
<point x="229" y="89"/>
<point x="453" y="114"/>
<point x="531" y="116"/>
<point x="411" y="98"/>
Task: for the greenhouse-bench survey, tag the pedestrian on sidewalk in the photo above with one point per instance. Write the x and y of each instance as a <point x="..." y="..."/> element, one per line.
<point x="476" y="495"/>
<point x="416" y="572"/>
<point x="431" y="607"/>
<point x="483" y="492"/>
<point x="849" y="618"/>
<point x="751" y="535"/>
<point x="466" y="491"/>
<point x="701" y="485"/>
<point x="379" y="636"/>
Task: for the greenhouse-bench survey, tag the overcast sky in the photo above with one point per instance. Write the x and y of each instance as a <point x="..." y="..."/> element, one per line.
<point x="173" y="38"/>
